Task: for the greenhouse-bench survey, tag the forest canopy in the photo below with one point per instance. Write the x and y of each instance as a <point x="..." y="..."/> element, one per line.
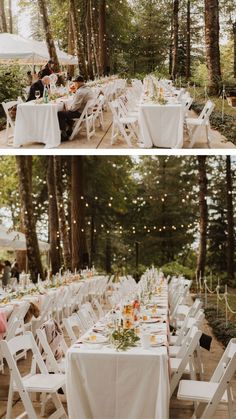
<point x="181" y="38"/>
<point x="125" y="211"/>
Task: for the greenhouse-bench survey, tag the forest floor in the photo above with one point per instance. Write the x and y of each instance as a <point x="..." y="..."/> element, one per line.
<point x="102" y="140"/>
<point x="178" y="409"/>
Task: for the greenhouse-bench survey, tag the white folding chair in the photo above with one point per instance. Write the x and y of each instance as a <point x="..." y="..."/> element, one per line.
<point x="91" y="312"/>
<point x="33" y="382"/>
<point x="11" y="333"/>
<point x="10" y="122"/>
<point x="185" y="362"/>
<point x="85" y="318"/>
<point x="87" y="119"/>
<point x="124" y="125"/>
<point x="207" y="395"/>
<point x="201" y="121"/>
<point x="98" y="307"/>
<point x="98" y="111"/>
<point x="53" y="365"/>
<point x="46" y="314"/>
<point x="73" y="327"/>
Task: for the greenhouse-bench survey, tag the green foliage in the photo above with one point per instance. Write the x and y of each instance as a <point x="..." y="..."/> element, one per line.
<point x="123" y="339"/>
<point x="222" y="332"/>
<point x="175" y="268"/>
<point x="200" y="74"/>
<point x="12" y="82"/>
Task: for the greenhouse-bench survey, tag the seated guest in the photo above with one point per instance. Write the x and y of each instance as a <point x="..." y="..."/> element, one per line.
<point x="82" y="96"/>
<point x="6" y="273"/>
<point x="48" y="69"/>
<point x="29" y="78"/>
<point x="38" y="85"/>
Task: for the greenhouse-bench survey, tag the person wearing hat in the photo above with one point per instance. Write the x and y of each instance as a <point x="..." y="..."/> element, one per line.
<point x="47" y="70"/>
<point x="82" y="95"/>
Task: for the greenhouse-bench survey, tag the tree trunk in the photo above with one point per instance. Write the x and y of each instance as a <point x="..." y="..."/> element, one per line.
<point x="48" y="33"/>
<point x="171" y="46"/>
<point x="212" y="28"/>
<point x="78" y="40"/>
<point x="92" y="241"/>
<point x="108" y="254"/>
<point x="10" y="16"/>
<point x="89" y="40"/>
<point x="234" y="35"/>
<point x="61" y="212"/>
<point x="102" y="38"/>
<point x="202" y="181"/>
<point x="94" y="42"/>
<point x="78" y="234"/>
<point x="175" y="63"/>
<point x="230" y="220"/>
<point x="71" y="44"/>
<point x="54" y="237"/>
<point x="188" y="41"/>
<point x="33" y="254"/>
<point x="3" y="20"/>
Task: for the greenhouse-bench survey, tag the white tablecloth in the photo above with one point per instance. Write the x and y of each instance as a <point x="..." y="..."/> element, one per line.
<point x="105" y="384"/>
<point x="161" y="126"/>
<point x="37" y="124"/>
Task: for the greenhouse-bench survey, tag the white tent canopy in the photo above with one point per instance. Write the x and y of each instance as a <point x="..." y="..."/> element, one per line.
<point x="27" y="51"/>
<point x="14" y="240"/>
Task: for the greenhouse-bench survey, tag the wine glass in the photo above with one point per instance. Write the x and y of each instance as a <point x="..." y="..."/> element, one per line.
<point x="37" y="94"/>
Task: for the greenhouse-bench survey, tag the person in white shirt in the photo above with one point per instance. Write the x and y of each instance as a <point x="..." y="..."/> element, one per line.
<point x="82" y="96"/>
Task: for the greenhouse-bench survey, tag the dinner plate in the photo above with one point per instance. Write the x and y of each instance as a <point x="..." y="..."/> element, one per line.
<point x="157" y="340"/>
<point x="150" y="321"/>
<point x="99" y="340"/>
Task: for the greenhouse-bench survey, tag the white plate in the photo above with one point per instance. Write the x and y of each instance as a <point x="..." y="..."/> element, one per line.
<point x="99" y="340"/>
<point x="159" y="341"/>
<point x="150" y="321"/>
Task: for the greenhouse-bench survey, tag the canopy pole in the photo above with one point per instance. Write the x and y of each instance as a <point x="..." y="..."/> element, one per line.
<point x="26" y="265"/>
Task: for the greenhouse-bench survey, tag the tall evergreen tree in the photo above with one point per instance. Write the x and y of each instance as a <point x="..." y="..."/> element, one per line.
<point x="212" y="29"/>
<point x="25" y="190"/>
<point x="202" y="180"/>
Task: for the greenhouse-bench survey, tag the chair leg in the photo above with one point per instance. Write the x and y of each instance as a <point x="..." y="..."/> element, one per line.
<point x="6" y="132"/>
<point x="57" y="402"/>
<point x="10" y="400"/>
<point x="113" y="133"/>
<point x="208" y="137"/>
<point x="230" y="403"/>
<point x="192" y="135"/>
<point x="124" y="134"/>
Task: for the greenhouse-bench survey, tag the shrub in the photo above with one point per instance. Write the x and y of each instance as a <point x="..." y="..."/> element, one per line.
<point x="175" y="268"/>
<point x="12" y="82"/>
<point x="222" y="332"/>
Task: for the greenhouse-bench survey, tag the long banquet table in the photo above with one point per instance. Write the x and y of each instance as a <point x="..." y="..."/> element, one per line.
<point x="161" y="125"/>
<point x="104" y="383"/>
<point x="85" y="285"/>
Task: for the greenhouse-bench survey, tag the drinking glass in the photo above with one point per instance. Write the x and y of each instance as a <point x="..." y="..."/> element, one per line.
<point x="37" y="94"/>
